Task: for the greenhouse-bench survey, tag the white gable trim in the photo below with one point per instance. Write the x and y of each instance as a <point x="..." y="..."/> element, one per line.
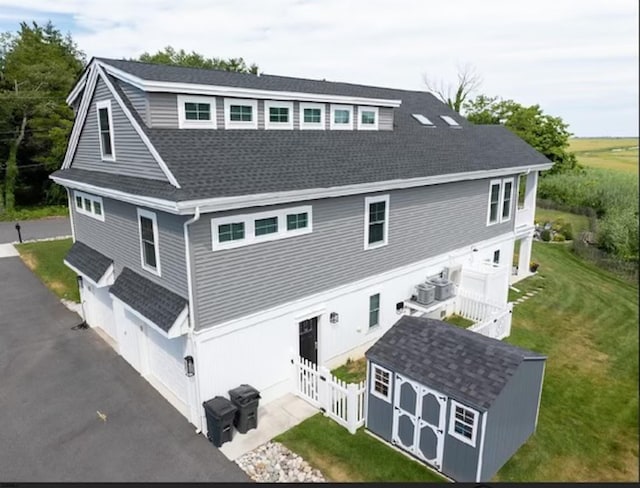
<point x="77" y="88"/>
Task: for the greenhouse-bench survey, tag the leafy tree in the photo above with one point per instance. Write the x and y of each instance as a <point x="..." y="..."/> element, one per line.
<point x="38" y="67"/>
<point x="455" y="95"/>
<point x="547" y="134"/>
<point x="196" y="60"/>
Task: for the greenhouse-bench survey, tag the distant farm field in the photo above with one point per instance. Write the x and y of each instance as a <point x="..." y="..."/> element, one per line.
<point x="620" y="154"/>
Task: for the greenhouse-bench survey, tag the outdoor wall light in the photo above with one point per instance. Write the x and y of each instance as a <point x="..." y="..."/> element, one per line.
<point x="189" y="367"/>
<point x="334" y="317"/>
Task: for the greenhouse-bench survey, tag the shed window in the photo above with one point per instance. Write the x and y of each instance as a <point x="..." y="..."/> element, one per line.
<point x="381" y="383"/>
<point x="463" y="423"/>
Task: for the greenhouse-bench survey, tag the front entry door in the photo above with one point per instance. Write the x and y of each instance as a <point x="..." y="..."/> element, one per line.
<point x="308" y="330"/>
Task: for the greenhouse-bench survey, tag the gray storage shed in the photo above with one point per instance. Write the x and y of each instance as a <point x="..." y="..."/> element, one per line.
<point x="457" y="400"/>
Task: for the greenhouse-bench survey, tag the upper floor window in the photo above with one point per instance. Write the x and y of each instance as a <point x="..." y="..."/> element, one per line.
<point x="341" y="117"/>
<point x="266" y="226"/>
<point x="463" y="423"/>
<point x="196" y="112"/>
<point x="89" y="205"/>
<point x="367" y="118"/>
<point x="149" y="250"/>
<point x="240" y="114"/>
<point x="500" y="201"/>
<point x="312" y="116"/>
<point x="105" y="128"/>
<point x="278" y="115"/>
<point x="376" y="221"/>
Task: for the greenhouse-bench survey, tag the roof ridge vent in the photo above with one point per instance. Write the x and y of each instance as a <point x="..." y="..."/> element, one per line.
<point x="451" y="121"/>
<point x="423" y="120"/>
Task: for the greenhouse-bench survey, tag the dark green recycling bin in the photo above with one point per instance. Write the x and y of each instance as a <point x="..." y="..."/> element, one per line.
<point x="246" y="399"/>
<point x="220" y="413"/>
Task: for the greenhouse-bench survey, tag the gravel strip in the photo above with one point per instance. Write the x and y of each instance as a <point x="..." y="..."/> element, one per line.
<point x="273" y="462"/>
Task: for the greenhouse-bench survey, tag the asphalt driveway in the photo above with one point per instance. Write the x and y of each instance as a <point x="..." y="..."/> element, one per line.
<point x="54" y="380"/>
<point x="35" y="229"/>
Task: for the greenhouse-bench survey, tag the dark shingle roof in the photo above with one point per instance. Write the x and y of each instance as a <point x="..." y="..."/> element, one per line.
<point x="92" y="263"/>
<point x="459" y="363"/>
<point x="155" y="302"/>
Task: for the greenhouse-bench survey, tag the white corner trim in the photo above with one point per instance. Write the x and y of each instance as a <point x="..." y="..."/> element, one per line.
<point x="372" y="383"/>
<point x="100" y="105"/>
<point x="227" y="91"/>
<point x="481" y="452"/>
<point x="452" y="423"/>
<point x="156" y="241"/>
<point x="312" y="125"/>
<point x="367" y="202"/>
<point x="361" y="125"/>
<point x="183" y="123"/>
<point x="239" y="124"/>
<point x="269" y="104"/>
<point x="333" y="125"/>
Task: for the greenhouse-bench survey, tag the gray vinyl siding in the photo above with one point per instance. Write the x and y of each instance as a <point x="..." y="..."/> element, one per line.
<point x="163" y="110"/>
<point x="460" y="460"/>
<point x="424" y="222"/>
<point x="385" y="118"/>
<point x="118" y="238"/>
<point x="132" y="155"/>
<point x="138" y="99"/>
<point x="512" y="417"/>
<point x="379" y="412"/>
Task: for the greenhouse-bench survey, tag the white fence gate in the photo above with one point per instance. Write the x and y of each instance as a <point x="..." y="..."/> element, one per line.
<point x="342" y="402"/>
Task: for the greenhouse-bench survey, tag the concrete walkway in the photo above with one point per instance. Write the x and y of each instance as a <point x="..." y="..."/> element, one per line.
<point x="35" y="229"/>
<point x="8" y="251"/>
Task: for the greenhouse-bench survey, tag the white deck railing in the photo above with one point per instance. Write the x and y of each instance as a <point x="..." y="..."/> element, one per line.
<point x="497" y="325"/>
<point x="491" y="319"/>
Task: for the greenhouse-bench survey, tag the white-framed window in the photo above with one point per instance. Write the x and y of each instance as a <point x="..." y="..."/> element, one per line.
<point x="500" y="201"/>
<point x="196" y="112"/>
<point x="312" y="116"/>
<point x="376" y="221"/>
<point x="380" y="382"/>
<point x="278" y="115"/>
<point x="105" y="130"/>
<point x="89" y="205"/>
<point x="463" y="423"/>
<point x="367" y="118"/>
<point x="374" y="310"/>
<point x="240" y="113"/>
<point x="243" y="230"/>
<point x="149" y="244"/>
<point x="496" y="256"/>
<point x="341" y="117"/>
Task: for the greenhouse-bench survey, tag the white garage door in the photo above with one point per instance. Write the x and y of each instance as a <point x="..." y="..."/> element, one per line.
<point x="166" y="358"/>
<point x="98" y="308"/>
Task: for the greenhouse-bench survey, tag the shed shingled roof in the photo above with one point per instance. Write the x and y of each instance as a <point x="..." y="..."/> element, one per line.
<point x="87" y="260"/>
<point x="461" y="364"/>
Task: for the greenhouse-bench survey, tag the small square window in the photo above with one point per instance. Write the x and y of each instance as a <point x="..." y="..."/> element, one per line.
<point x="368" y="117"/>
<point x="266" y="226"/>
<point x="279" y="114"/>
<point x="197" y="111"/>
<point x="341" y="116"/>
<point x="312" y="115"/>
<point x="297" y="221"/>
<point x="463" y="423"/>
<point x="241" y="113"/>
<point x="230" y="232"/>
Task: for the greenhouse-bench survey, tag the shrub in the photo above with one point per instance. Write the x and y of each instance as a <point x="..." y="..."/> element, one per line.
<point x="558" y="224"/>
<point x="558" y="238"/>
<point x="545" y="235"/>
<point x="567" y="231"/>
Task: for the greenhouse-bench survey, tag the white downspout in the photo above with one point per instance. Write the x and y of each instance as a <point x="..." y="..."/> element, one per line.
<point x="192" y="324"/>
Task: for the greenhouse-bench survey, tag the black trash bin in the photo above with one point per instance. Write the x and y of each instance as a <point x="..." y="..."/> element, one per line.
<point x="246" y="398"/>
<point x="220" y="413"/>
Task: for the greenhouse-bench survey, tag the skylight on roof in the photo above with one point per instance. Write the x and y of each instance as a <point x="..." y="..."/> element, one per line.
<point x="422" y="119"/>
<point x="450" y="120"/>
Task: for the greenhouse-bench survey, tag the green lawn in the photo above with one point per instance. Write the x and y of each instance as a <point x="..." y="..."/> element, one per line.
<point x="617" y="153"/>
<point x="579" y="223"/>
<point x="344" y="457"/>
<point x="45" y="260"/>
<point x="33" y="213"/>
<point x="458" y="320"/>
<point x="353" y="371"/>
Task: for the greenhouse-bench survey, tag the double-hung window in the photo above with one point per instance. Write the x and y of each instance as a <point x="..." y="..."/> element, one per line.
<point x="89" y="205"/>
<point x="367" y="118"/>
<point x="149" y="250"/>
<point x="374" y="310"/>
<point x="312" y="116"/>
<point x="381" y="382"/>
<point x="500" y="201"/>
<point x="341" y="117"/>
<point x="278" y="115"/>
<point x="105" y="129"/>
<point x="463" y="423"/>
<point x="240" y="114"/>
<point x="376" y="221"/>
<point x="507" y="196"/>
<point x="196" y="112"/>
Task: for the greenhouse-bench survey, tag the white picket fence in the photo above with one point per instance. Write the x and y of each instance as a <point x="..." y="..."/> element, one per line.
<point x="490" y="319"/>
<point x="342" y="402"/>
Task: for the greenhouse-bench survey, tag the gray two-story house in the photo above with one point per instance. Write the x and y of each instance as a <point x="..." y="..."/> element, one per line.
<point x="225" y="223"/>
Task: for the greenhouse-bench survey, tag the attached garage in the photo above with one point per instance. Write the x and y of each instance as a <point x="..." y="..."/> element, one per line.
<point x="461" y="402"/>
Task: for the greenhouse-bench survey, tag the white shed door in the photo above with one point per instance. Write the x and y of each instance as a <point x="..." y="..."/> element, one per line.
<point x="418" y="420"/>
<point x="98" y="308"/>
<point x="165" y="361"/>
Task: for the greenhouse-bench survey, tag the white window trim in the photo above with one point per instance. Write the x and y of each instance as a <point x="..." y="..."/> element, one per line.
<point x="452" y="423"/>
<point x="249" y="227"/>
<point x="368" y="201"/>
<point x="99" y="105"/>
<point x="310" y="125"/>
<point x="502" y="198"/>
<point x="373" y="383"/>
<point x="83" y="211"/>
<point x="492" y="183"/>
<point x="373" y="126"/>
<point x="152" y="216"/>
<point x="268" y="104"/>
<point x="183" y="123"/>
<point x="235" y="124"/>
<point x="333" y="125"/>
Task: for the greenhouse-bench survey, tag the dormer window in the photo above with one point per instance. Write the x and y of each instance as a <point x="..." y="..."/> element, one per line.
<point x="341" y="117"/>
<point x="278" y="115"/>
<point x="196" y="112"/>
<point x="240" y="114"/>
<point x="312" y="116"/>
<point x="367" y="118"/>
<point x="105" y="128"/>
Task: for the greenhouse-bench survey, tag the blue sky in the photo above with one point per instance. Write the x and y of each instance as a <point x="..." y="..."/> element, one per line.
<point x="577" y="59"/>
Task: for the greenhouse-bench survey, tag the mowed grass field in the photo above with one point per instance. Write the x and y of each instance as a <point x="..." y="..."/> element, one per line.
<point x="620" y="154"/>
